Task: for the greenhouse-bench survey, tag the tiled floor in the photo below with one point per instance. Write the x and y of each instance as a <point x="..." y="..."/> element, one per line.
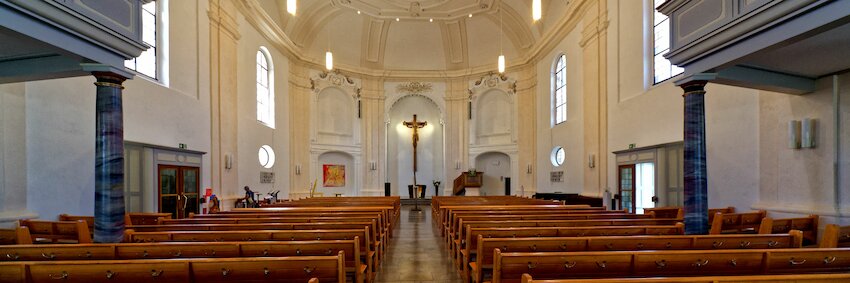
<point x="415" y="253"/>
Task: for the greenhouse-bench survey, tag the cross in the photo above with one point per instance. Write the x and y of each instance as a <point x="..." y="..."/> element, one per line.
<point x="415" y="125"/>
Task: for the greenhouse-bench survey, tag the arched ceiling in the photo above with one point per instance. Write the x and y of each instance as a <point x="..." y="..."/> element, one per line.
<point x="413" y="34"/>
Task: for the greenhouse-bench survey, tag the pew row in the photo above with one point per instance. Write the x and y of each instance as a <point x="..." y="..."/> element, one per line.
<point x="127" y="251"/>
<point x="43" y="231"/>
<point x="478" y="269"/>
<point x="269" y="269"/>
<point x="798" y="278"/>
<point x="509" y="267"/>
<point x="835" y="236"/>
<point x="15" y="236"/>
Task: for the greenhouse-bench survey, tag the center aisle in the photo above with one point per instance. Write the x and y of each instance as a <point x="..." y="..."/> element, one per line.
<point x="416" y="254"/>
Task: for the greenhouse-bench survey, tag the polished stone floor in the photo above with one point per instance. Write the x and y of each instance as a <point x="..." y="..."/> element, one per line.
<point x="416" y="253"/>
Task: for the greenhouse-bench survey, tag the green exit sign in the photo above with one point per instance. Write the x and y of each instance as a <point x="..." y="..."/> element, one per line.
<point x="631" y="146"/>
<point x="182" y="146"/>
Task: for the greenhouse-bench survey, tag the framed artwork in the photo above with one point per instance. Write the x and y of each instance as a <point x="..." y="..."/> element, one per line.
<point x="333" y="175"/>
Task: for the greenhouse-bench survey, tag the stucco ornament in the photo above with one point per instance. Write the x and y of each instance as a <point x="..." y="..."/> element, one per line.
<point x="414" y="88"/>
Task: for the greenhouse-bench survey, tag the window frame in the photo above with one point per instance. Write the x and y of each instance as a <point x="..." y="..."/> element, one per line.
<point x="654" y="55"/>
<point x="160" y="45"/>
<point x="269" y="87"/>
<point x="556" y="86"/>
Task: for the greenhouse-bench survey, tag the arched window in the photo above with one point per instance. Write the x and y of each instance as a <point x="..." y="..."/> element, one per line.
<point x="265" y="88"/>
<point x="559" y="90"/>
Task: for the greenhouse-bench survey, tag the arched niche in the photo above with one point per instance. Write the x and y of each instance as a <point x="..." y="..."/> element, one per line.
<point x="430" y="151"/>
<point x="496" y="167"/>
<point x="494" y="111"/>
<point x="335" y="110"/>
<point x="351" y="173"/>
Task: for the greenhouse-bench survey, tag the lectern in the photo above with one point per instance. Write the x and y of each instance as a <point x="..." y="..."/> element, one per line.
<point x="468" y="183"/>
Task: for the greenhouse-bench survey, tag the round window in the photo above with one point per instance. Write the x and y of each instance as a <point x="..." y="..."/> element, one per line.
<point x="266" y="155"/>
<point x="558" y="156"/>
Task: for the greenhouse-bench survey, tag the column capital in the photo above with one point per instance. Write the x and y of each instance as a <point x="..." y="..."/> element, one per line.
<point x="109" y="79"/>
<point x="693" y="87"/>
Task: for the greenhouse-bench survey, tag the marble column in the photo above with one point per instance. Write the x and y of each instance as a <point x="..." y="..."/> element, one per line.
<point x="109" y="160"/>
<point x="696" y="181"/>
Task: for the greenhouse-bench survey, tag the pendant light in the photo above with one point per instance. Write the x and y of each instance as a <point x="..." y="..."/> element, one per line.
<point x="291" y="6"/>
<point x="536" y="10"/>
<point x="329" y="57"/>
<point x="501" y="63"/>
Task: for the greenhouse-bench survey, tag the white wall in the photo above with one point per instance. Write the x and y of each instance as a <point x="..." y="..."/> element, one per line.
<point x="646" y="114"/>
<point x="569" y="134"/>
<point x="13" y="158"/>
<point x="496" y="166"/>
<point x="252" y="133"/>
<point x="60" y="119"/>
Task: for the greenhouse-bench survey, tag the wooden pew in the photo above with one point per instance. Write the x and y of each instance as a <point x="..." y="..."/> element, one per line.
<point x="714" y="211"/>
<point x="458" y="243"/>
<point x="835" y="236"/>
<point x="666" y="212"/>
<point x="269" y="269"/>
<point x="54" y="252"/>
<point x="809" y="226"/>
<point x="473" y="234"/>
<point x="15" y="236"/>
<point x="736" y="223"/>
<point x="483" y="263"/>
<point x="509" y="267"/>
<point x="799" y="278"/>
<point x="368" y="254"/>
<point x="43" y="231"/>
<point x="144" y="218"/>
<point x="454" y="216"/>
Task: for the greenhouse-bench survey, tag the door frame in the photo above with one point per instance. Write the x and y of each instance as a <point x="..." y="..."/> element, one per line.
<point x="633" y="207"/>
<point x="179" y="186"/>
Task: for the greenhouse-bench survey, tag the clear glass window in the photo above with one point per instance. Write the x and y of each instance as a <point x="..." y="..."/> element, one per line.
<point x="662" y="70"/>
<point x="559" y="89"/>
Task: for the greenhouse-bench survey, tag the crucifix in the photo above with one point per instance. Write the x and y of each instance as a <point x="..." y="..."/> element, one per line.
<point x="415" y="125"/>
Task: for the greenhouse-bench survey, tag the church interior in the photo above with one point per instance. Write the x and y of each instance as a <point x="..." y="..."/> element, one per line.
<point x="425" y="140"/>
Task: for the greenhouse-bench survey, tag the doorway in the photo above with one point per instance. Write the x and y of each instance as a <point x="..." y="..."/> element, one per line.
<point x="179" y="188"/>
<point x="637" y="186"/>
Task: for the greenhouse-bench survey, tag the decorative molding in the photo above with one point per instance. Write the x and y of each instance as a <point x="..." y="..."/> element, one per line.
<point x="334" y="79"/>
<point x="491" y="81"/>
<point x="416" y="88"/>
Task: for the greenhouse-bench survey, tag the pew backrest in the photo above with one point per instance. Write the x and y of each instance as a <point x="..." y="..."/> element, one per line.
<point x="745" y="222"/>
<point x="808" y="225"/>
<point x="43" y="231"/>
<point x="15" y="236"/>
<point x="797" y="278"/>
<point x="552" y="265"/>
<point x="835" y="236"/>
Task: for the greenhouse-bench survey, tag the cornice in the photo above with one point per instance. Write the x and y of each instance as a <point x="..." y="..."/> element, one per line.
<point x="264" y="24"/>
<point x="222" y="18"/>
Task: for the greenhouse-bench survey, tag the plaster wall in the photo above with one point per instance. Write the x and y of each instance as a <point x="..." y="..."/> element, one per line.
<point x="647" y="114"/>
<point x="801" y="181"/>
<point x="252" y="134"/>
<point x="60" y="120"/>
<point x="13" y="159"/>
<point x="568" y="134"/>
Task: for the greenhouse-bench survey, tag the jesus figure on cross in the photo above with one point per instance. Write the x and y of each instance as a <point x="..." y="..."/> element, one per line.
<point x="415" y="125"/>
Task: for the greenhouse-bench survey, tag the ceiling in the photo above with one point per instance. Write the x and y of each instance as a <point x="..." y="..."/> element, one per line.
<point x="414" y="34"/>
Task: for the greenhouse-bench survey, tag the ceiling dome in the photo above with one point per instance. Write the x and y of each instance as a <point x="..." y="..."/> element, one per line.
<point x="413" y="35"/>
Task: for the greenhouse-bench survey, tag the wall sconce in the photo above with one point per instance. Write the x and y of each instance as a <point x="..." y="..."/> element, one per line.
<point x="373" y="166"/>
<point x="457" y="165"/>
<point x="807" y="133"/>
<point x="528" y="168"/>
<point x="228" y="161"/>
<point x="591" y="161"/>
<point x="794" y="134"/>
<point x="297" y="169"/>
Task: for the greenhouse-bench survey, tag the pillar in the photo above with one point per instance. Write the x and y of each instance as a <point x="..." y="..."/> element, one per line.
<point x="696" y="181"/>
<point x="109" y="159"/>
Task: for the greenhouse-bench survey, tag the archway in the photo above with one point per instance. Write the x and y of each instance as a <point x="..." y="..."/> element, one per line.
<point x="400" y="148"/>
<point x="497" y="171"/>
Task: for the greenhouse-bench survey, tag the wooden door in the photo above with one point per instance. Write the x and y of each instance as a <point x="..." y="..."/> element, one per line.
<point x="179" y="189"/>
<point x="626" y="184"/>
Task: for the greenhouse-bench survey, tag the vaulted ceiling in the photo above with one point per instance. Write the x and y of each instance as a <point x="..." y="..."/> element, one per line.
<point x="414" y="34"/>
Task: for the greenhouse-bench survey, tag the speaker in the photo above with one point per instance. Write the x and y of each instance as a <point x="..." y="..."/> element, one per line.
<point x="507" y="186"/>
<point x="386" y="189"/>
